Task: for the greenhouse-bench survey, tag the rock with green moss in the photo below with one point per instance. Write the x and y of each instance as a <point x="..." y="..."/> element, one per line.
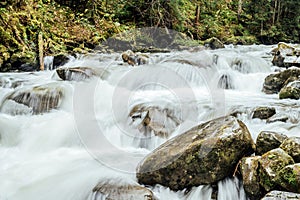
<point x="249" y="171"/>
<point x="214" y="43"/>
<point x="268" y="140"/>
<point x="205" y="154"/>
<point x="274" y="82"/>
<point x="119" y="191"/>
<point x="270" y="164"/>
<point x="289" y="178"/>
<point x="292" y="147"/>
<point x="291" y="91"/>
<point x="281" y="195"/>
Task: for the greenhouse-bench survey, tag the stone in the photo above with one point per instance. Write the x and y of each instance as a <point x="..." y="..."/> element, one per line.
<point x="249" y="171"/>
<point x="117" y="191"/>
<point x="263" y="112"/>
<point x="134" y="58"/>
<point x="277" y="118"/>
<point x="60" y="60"/>
<point x="291" y="90"/>
<point x="148" y="119"/>
<point x="80" y="73"/>
<point x="274" y="82"/>
<point x="289" y="178"/>
<point x="268" y="140"/>
<point x="270" y="164"/>
<point x="39" y="99"/>
<point x="205" y="154"/>
<point x="281" y="195"/>
<point x="214" y="43"/>
<point x="292" y="147"/>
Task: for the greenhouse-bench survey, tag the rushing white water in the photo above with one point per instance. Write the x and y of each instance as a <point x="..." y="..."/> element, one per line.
<point x="62" y="154"/>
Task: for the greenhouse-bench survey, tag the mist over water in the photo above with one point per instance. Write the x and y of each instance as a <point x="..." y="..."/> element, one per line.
<point x="62" y="154"/>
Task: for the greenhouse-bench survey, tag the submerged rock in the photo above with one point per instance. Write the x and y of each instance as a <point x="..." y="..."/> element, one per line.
<point x="109" y="191"/>
<point x="38" y="99"/>
<point x="225" y="82"/>
<point x="134" y="58"/>
<point x="281" y="195"/>
<point x="270" y="164"/>
<point x="274" y="82"/>
<point x="289" y="178"/>
<point x="148" y="119"/>
<point x="267" y="140"/>
<point x="249" y="171"/>
<point x="277" y="118"/>
<point x="205" y="154"/>
<point x="80" y="73"/>
<point x="291" y="90"/>
<point x="292" y="147"/>
<point x="263" y="112"/>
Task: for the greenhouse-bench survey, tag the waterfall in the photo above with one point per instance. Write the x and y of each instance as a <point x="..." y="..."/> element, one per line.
<point x="59" y="138"/>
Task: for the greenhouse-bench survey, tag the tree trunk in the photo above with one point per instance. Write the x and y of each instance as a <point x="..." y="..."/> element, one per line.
<point x="197" y="15"/>
<point x="240" y="9"/>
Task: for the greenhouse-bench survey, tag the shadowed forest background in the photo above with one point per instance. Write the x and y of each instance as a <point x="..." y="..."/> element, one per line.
<point x="65" y="25"/>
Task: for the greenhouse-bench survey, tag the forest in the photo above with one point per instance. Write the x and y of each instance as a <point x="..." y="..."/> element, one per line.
<point x="67" y="25"/>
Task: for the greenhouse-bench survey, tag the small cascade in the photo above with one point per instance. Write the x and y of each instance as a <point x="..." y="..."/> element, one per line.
<point x="225" y="82"/>
<point x="231" y="189"/>
<point x="35" y="100"/>
<point x="48" y="62"/>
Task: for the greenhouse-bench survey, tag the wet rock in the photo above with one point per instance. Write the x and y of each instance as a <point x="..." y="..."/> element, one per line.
<point x="274" y="82"/>
<point x="263" y="112"/>
<point x="284" y="48"/>
<point x="134" y="58"/>
<point x="148" y="119"/>
<point x="23" y="61"/>
<point x="60" y="60"/>
<point x="80" y="73"/>
<point x="281" y="195"/>
<point x="249" y="171"/>
<point x="292" y="147"/>
<point x="39" y="99"/>
<point x="267" y="140"/>
<point x="291" y="91"/>
<point x="277" y="118"/>
<point x="289" y="178"/>
<point x="110" y="191"/>
<point x="225" y="82"/>
<point x="205" y="154"/>
<point x="278" y="59"/>
<point x="270" y="164"/>
<point x="214" y="43"/>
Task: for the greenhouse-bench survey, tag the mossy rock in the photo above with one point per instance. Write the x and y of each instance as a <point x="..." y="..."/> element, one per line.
<point x="205" y="154"/>
<point x="249" y="171"/>
<point x="292" y="147"/>
<point x="291" y="91"/>
<point x="214" y="43"/>
<point x="268" y="140"/>
<point x="289" y="178"/>
<point x="270" y="164"/>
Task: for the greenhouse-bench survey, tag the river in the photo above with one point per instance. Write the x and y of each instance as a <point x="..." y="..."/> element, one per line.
<point x="64" y="153"/>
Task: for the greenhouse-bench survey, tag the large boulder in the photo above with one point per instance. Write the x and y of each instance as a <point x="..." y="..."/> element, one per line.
<point x="292" y="147"/>
<point x="263" y="112"/>
<point x="205" y="154"/>
<point x="268" y="140"/>
<point x="80" y="73"/>
<point x="153" y="119"/>
<point x="274" y="82"/>
<point x="270" y="164"/>
<point x="281" y="195"/>
<point x="291" y="90"/>
<point x="117" y="191"/>
<point x="289" y="178"/>
<point x="38" y="99"/>
<point x="249" y="171"/>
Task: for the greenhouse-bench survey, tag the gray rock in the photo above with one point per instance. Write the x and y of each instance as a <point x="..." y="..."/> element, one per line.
<point x="281" y="195"/>
<point x="205" y="154"/>
<point x="289" y="178"/>
<point x="80" y="73"/>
